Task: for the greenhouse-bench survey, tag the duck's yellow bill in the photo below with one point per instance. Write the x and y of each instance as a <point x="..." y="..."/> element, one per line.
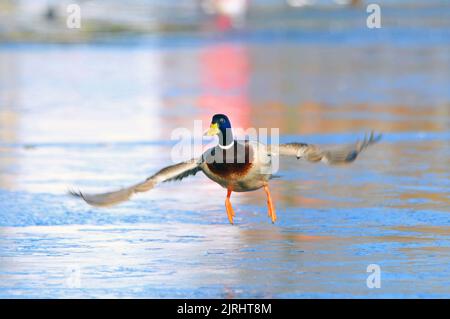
<point x="213" y="130"/>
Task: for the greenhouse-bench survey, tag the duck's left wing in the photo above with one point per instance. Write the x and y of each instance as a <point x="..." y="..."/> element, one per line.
<point x="170" y="173"/>
<point x="313" y="153"/>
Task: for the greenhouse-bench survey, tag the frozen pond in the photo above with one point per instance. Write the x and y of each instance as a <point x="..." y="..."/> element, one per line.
<point x="100" y="117"/>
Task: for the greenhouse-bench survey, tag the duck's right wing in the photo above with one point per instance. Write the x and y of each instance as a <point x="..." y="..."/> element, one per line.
<point x="170" y="173"/>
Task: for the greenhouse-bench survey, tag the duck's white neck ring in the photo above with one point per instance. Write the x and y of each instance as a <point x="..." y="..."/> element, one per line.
<point x="226" y="147"/>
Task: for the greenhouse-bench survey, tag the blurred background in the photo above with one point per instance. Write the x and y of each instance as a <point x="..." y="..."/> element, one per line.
<point x="94" y="108"/>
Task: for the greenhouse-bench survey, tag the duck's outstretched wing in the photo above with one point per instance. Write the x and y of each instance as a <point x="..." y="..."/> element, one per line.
<point x="170" y="173"/>
<point x="313" y="153"/>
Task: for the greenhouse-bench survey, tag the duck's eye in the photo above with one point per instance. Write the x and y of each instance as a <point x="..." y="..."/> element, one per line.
<point x="222" y="121"/>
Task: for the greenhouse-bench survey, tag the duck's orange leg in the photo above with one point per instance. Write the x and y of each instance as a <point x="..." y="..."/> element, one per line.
<point x="272" y="213"/>
<point x="230" y="211"/>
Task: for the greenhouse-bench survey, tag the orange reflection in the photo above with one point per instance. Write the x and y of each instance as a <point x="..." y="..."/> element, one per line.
<point x="258" y="236"/>
<point x="224" y="81"/>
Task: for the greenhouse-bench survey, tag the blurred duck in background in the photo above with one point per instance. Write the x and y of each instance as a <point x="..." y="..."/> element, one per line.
<point x="228" y="13"/>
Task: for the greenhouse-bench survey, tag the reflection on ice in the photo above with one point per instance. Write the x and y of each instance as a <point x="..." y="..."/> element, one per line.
<point x="100" y="117"/>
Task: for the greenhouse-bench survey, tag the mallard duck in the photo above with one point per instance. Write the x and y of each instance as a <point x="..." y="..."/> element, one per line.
<point x="236" y="165"/>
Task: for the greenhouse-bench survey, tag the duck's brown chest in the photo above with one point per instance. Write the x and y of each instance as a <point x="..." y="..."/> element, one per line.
<point x="234" y="162"/>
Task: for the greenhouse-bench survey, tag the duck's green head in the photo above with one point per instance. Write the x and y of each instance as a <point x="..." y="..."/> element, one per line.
<point x="219" y="124"/>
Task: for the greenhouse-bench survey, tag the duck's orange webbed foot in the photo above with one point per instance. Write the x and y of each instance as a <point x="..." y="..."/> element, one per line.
<point x="272" y="214"/>
<point x="230" y="211"/>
